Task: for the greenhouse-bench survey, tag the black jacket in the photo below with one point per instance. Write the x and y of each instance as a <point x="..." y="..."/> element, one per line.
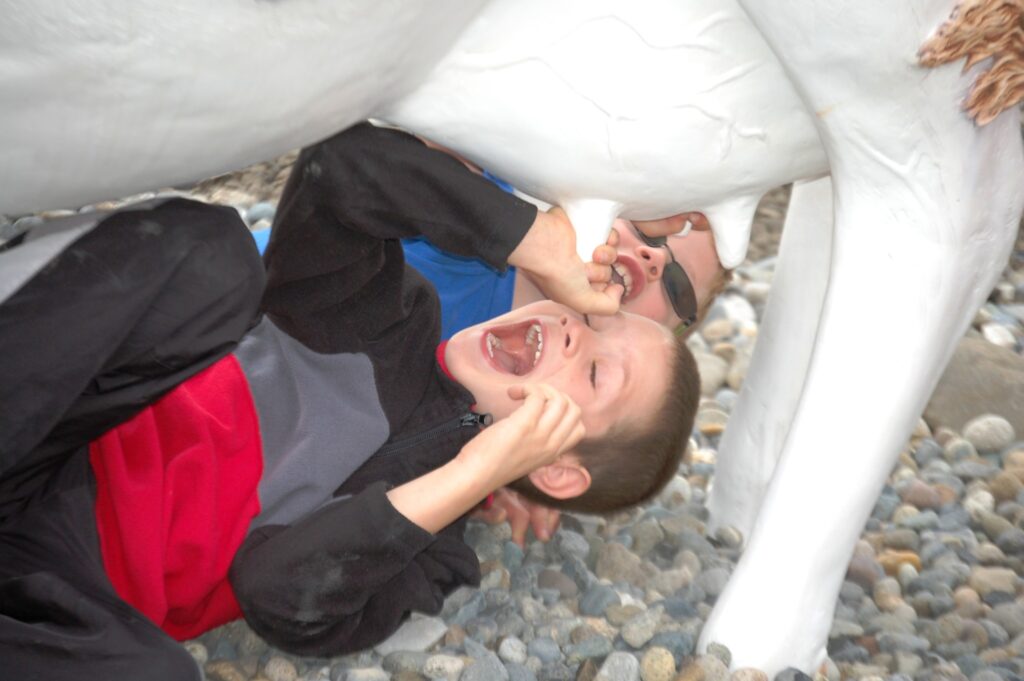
<point x="344" y="576"/>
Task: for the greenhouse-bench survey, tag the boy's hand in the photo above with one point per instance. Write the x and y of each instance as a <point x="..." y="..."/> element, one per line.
<point x="521" y="514"/>
<point x="536" y="434"/>
<point x="548" y="255"/>
<point x="544" y="427"/>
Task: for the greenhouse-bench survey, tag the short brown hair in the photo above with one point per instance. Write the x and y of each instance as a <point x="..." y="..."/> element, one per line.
<point x="630" y="465"/>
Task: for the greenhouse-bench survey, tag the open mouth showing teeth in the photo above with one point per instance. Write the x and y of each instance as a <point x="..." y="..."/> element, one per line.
<point x="626" y="276"/>
<point x="515" y="348"/>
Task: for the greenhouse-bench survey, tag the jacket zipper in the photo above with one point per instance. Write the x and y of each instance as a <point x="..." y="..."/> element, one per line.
<point x="467" y="420"/>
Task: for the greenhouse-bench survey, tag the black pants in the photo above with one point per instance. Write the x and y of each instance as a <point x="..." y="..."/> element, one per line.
<point x="147" y="298"/>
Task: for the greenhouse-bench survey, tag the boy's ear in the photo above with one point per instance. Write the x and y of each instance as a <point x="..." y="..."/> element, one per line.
<point x="564" y="479"/>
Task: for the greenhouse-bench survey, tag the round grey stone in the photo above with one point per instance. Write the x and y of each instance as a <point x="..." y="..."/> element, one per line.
<point x="486" y="665"/>
<point x="1010" y="616"/>
<point x="554" y="579"/>
<point x="1011" y="541"/>
<point x="680" y="643"/>
<point x="569" y="543"/>
<point x="416" y="634"/>
<point x="986" y="675"/>
<point x="619" y="666"/>
<point x="512" y="650"/>
<point x="404" y="661"/>
<point x="641" y="628"/>
<point x="713" y="581"/>
<point x="959" y="449"/>
<point x="646" y="535"/>
<point x="482" y="629"/>
<point x="367" y="674"/>
<point x="512" y="555"/>
<point x="593" y="647"/>
<point x="545" y="649"/>
<point x="555" y="671"/>
<point x="597" y="599"/>
<point x="617" y="563"/>
<point x="989" y="433"/>
<point x="891" y="642"/>
<point x="279" y="669"/>
<point x="518" y="672"/>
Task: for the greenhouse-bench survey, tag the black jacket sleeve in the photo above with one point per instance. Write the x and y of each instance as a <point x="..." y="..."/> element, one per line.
<point x="352" y="197"/>
<point x="344" y="577"/>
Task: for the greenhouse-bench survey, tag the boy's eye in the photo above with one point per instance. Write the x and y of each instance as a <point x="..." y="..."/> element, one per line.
<point x="593" y="375"/>
<point x="586" y="320"/>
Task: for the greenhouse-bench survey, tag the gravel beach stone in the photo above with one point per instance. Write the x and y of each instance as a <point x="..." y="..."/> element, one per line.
<point x="619" y="667"/>
<point x="417" y="634"/>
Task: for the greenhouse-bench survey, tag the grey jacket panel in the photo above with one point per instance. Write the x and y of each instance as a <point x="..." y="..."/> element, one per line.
<point x="320" y="419"/>
<point x="41" y="244"/>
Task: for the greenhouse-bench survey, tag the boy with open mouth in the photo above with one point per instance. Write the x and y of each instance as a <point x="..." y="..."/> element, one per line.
<point x="183" y="443"/>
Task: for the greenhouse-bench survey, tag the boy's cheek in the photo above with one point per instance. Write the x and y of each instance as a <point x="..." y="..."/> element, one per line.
<point x="494" y="400"/>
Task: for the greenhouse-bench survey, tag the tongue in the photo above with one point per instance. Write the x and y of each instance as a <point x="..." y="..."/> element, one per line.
<point x="514" y="362"/>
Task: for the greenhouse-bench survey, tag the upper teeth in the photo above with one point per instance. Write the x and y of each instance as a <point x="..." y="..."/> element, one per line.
<point x="534" y="332"/>
<point x="627" y="278"/>
<point x="492" y="342"/>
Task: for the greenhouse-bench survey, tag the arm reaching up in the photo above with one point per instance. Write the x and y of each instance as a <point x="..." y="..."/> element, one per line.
<point x="546" y="426"/>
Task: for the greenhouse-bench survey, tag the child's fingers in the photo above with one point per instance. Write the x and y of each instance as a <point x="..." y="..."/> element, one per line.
<point x="517" y="392"/>
<point x="544" y="521"/>
<point x="554" y="412"/>
<point x="569" y="431"/>
<point x="575" y="436"/>
<point x="558" y="423"/>
<point x="521" y="391"/>
<point x="598" y="274"/>
<point x="605" y="254"/>
<point x="533" y="397"/>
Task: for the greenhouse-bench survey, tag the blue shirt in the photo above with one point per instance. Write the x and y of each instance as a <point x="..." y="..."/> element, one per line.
<point x="470" y="291"/>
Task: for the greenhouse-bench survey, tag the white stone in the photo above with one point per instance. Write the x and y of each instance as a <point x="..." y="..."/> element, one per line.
<point x="997" y="334"/>
<point x="417" y="634"/>
<point x="737" y="308"/>
<point x="713" y="371"/>
<point x="512" y="650"/>
<point x="446" y="667"/>
<point x="989" y="432"/>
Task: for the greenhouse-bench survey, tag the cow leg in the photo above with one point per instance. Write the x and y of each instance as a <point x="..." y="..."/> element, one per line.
<point x="926" y="208"/>
<point x="751" y="445"/>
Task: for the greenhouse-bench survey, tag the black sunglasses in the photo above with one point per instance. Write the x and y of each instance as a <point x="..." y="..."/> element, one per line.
<point x="678" y="286"/>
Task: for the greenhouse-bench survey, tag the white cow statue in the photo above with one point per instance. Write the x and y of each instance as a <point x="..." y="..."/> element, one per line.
<point x="897" y="120"/>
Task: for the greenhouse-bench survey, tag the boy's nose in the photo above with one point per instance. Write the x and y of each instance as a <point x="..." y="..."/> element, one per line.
<point x="652" y="260"/>
<point x="573" y="331"/>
